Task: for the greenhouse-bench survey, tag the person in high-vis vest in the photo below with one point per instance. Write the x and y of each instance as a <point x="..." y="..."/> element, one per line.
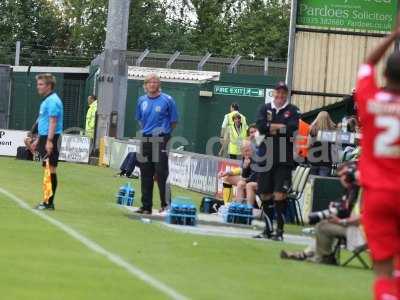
<point x="226" y="124"/>
<point x="91" y="116"/>
<point x="237" y="134"/>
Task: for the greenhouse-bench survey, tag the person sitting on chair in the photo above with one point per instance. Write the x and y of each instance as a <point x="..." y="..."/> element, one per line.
<point x="333" y="224"/>
<point x="244" y="178"/>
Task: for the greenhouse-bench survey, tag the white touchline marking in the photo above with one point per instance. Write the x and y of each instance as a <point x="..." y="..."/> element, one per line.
<point x="117" y="260"/>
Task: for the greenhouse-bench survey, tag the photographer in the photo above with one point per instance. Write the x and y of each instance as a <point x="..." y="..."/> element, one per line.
<point x="333" y="223"/>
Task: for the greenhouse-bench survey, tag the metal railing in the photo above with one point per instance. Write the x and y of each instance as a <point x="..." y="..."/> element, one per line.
<point x="207" y="62"/>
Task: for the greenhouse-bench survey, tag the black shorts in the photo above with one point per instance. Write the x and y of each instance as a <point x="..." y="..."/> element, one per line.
<point x="53" y="158"/>
<point x="278" y="179"/>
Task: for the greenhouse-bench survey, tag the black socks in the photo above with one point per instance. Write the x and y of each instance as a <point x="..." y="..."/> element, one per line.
<point x="268" y="208"/>
<point x="280" y="207"/>
<point x="54" y="187"/>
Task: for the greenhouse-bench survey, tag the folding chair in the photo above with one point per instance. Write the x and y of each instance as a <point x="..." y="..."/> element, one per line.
<point x="298" y="173"/>
<point x="291" y="212"/>
<point x="355" y="254"/>
<point x="297" y="192"/>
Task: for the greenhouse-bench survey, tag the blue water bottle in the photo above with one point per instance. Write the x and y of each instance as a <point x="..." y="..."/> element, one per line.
<point x="121" y="195"/>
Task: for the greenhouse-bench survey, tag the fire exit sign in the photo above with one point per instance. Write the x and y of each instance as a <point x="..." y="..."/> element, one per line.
<point x="238" y="91"/>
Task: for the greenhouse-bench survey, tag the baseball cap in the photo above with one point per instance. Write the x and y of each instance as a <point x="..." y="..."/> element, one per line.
<point x="281" y="85"/>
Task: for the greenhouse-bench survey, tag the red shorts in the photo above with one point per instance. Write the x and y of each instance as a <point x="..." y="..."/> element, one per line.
<point x="381" y="219"/>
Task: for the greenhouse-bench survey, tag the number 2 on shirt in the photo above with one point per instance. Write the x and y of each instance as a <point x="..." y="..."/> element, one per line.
<point x="385" y="142"/>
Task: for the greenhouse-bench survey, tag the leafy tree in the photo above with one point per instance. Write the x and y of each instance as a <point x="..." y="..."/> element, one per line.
<point x="87" y="22"/>
<point x="263" y="29"/>
<point x="36" y="23"/>
<point x="72" y="32"/>
<point x="254" y="28"/>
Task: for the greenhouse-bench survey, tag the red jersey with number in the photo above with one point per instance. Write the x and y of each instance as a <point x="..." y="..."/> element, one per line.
<point x="379" y="112"/>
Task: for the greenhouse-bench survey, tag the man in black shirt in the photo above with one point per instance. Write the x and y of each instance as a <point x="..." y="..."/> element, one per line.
<point x="277" y="121"/>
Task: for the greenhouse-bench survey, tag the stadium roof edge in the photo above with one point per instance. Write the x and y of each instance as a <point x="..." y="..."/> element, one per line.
<point x="174" y="75"/>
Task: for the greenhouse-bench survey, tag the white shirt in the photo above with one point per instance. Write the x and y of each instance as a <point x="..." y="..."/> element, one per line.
<point x="273" y="106"/>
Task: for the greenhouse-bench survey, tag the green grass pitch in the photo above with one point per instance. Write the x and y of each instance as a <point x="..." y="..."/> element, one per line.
<point x="39" y="261"/>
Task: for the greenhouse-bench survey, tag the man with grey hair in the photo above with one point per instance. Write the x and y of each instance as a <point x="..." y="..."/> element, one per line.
<point x="157" y="115"/>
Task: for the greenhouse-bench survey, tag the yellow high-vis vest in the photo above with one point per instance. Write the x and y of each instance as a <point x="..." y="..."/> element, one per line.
<point x="91" y="120"/>
<point x="236" y="138"/>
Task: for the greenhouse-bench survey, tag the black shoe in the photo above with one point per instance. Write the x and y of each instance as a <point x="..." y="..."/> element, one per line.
<point x="278" y="236"/>
<point x="263" y="235"/>
<point x="44" y="206"/>
<point x="132" y="176"/>
<point x="329" y="260"/>
<point x="163" y="209"/>
<point x="143" y="211"/>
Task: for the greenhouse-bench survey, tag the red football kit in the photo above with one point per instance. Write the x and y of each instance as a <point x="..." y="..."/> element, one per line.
<point x="379" y="165"/>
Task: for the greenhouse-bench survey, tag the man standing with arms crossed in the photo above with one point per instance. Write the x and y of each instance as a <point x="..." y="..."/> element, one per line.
<point x="50" y="127"/>
<point x="379" y="111"/>
<point x="157" y="115"/>
<point x="277" y="121"/>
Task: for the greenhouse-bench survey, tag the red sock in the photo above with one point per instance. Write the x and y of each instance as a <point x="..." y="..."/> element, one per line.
<point x="384" y="289"/>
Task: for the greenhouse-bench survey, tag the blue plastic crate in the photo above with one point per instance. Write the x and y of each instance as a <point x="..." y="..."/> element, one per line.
<point x="126" y="195"/>
<point x="237" y="213"/>
<point x="182" y="213"/>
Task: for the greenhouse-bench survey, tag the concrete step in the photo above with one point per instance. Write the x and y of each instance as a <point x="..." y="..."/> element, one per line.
<point x="213" y="225"/>
<point x="202" y="219"/>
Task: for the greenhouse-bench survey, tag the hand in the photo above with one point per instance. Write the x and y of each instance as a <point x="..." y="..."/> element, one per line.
<point x="246" y="162"/>
<point x="334" y="220"/>
<point x="274" y="128"/>
<point x="34" y="145"/>
<point x="49" y="147"/>
<point x="277" y="126"/>
<point x="223" y="174"/>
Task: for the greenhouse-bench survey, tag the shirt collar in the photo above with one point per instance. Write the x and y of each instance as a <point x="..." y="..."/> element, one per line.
<point x="48" y="95"/>
<point x="273" y="106"/>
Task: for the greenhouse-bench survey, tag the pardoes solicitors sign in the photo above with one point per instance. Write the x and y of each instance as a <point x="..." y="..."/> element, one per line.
<point x="364" y="15"/>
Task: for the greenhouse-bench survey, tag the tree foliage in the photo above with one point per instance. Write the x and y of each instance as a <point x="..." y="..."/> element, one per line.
<point x="37" y="23"/>
<point x="71" y="32"/>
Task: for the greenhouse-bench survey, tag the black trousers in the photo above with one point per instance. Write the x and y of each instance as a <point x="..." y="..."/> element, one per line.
<point x="154" y="162"/>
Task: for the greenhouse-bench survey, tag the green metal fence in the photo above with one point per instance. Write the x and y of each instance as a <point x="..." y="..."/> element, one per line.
<point x="25" y="101"/>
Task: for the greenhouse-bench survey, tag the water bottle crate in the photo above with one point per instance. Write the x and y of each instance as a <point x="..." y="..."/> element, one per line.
<point x="126" y="195"/>
<point x="238" y="214"/>
<point x="182" y="214"/>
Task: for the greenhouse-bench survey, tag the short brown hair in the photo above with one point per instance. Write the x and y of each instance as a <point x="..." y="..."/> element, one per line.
<point x="48" y="79"/>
